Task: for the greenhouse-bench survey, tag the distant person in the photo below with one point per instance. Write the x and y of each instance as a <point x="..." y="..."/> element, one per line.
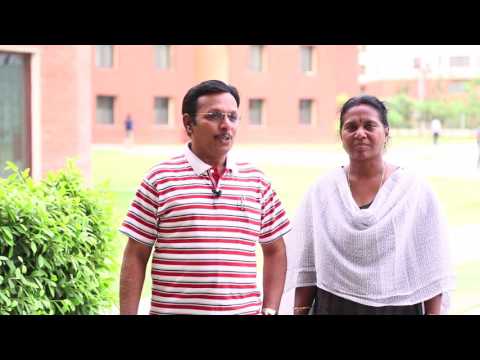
<point x="369" y="237"/>
<point x="477" y="132"/>
<point x="436" y="129"/>
<point x="129" y="129"/>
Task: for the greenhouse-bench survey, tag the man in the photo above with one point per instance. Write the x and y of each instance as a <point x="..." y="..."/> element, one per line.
<point x="204" y="212"/>
<point x="436" y="129"/>
<point x="129" y="129"/>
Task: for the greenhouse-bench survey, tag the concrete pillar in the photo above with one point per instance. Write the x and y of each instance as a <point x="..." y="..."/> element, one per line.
<point x="211" y="63"/>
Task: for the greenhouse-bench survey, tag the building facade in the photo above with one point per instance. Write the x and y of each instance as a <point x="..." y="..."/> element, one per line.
<point x="284" y="90"/>
<point x="421" y="71"/>
<point x="56" y="100"/>
<point x="45" y="103"/>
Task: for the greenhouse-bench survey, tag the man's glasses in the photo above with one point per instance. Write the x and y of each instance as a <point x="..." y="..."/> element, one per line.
<point x="218" y="116"/>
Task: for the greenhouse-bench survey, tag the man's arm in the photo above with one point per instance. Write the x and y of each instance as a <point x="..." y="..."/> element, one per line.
<point x="274" y="270"/>
<point x="132" y="276"/>
<point x="433" y="306"/>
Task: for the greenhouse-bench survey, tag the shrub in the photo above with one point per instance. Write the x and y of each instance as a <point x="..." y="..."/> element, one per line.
<point x="55" y="244"/>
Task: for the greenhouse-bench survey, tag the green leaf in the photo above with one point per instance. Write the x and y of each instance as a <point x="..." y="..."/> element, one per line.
<point x="41" y="261"/>
<point x="7" y="232"/>
<point x="49" y="233"/>
<point x="5" y="299"/>
<point x="11" y="283"/>
<point x="33" y="246"/>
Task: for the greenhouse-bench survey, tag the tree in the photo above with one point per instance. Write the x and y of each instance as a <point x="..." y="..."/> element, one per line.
<point x="472" y="108"/>
<point x="401" y="109"/>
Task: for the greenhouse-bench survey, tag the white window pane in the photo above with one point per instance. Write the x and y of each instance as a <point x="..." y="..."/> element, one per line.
<point x="306" y="58"/>
<point x="459" y="61"/>
<point x="13" y="111"/>
<point x="104" y="55"/>
<point x="305" y="111"/>
<point x="161" y="110"/>
<point x="256" y="57"/>
<point x="256" y="107"/>
<point x="456" y="87"/>
<point x="162" y="56"/>
<point x="105" y="109"/>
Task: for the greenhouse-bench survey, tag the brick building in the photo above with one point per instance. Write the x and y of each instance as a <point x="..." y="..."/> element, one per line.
<point x="421" y="71"/>
<point x="56" y="100"/>
<point x="45" y="106"/>
<point x="284" y="90"/>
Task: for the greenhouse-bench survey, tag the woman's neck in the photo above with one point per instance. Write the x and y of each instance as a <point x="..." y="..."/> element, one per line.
<point x="366" y="168"/>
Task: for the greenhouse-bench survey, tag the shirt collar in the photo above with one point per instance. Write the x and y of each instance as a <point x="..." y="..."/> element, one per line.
<point x="200" y="167"/>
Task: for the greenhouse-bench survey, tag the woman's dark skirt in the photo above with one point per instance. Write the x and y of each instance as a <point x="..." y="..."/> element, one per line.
<point x="329" y="304"/>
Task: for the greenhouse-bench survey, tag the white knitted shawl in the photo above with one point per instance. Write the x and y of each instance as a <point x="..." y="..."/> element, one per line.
<point x="393" y="253"/>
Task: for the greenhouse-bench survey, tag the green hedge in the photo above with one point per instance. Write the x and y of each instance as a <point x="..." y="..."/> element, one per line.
<point x="56" y="241"/>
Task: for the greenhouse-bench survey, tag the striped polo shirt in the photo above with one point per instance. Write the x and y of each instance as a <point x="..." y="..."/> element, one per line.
<point x="204" y="258"/>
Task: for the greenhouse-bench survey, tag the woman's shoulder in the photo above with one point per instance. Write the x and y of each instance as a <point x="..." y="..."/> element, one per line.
<point x="327" y="180"/>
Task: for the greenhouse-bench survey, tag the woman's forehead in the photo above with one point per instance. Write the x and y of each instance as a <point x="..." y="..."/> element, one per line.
<point x="362" y="111"/>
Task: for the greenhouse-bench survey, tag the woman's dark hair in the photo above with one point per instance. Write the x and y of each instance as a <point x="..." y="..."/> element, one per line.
<point x="189" y="105"/>
<point x="365" y="100"/>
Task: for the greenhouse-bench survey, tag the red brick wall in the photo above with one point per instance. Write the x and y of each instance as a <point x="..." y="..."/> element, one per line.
<point x="282" y="86"/>
<point x="135" y="81"/>
<point x="65" y="106"/>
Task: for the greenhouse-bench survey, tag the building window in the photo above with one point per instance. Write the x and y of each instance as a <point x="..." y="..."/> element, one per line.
<point x="306" y="54"/>
<point x="162" y="110"/>
<point x="104" y="56"/>
<point x="256" y="58"/>
<point x="105" y="109"/>
<point x="306" y="111"/>
<point x="256" y="112"/>
<point x="417" y="63"/>
<point x="456" y="87"/>
<point x="14" y="120"/>
<point x="459" y="61"/>
<point x="162" y="56"/>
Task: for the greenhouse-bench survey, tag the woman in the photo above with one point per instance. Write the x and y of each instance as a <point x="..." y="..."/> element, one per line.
<point x="369" y="238"/>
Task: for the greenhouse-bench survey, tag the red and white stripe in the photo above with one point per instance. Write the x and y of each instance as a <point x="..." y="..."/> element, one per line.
<point x="204" y="259"/>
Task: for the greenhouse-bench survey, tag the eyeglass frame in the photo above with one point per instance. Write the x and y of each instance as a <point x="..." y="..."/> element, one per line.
<point x="224" y="114"/>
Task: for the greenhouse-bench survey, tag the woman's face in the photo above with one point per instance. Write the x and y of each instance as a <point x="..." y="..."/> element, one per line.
<point x="363" y="134"/>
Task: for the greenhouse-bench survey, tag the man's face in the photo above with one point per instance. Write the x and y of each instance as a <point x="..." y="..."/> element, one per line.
<point x="213" y="132"/>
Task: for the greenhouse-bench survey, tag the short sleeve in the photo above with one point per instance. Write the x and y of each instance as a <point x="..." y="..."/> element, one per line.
<point x="140" y="223"/>
<point x="275" y="223"/>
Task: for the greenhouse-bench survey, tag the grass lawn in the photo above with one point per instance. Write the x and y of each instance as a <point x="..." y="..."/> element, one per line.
<point x="467" y="294"/>
<point x="459" y="196"/>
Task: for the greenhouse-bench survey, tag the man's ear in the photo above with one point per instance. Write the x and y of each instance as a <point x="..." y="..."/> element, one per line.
<point x="187" y="123"/>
